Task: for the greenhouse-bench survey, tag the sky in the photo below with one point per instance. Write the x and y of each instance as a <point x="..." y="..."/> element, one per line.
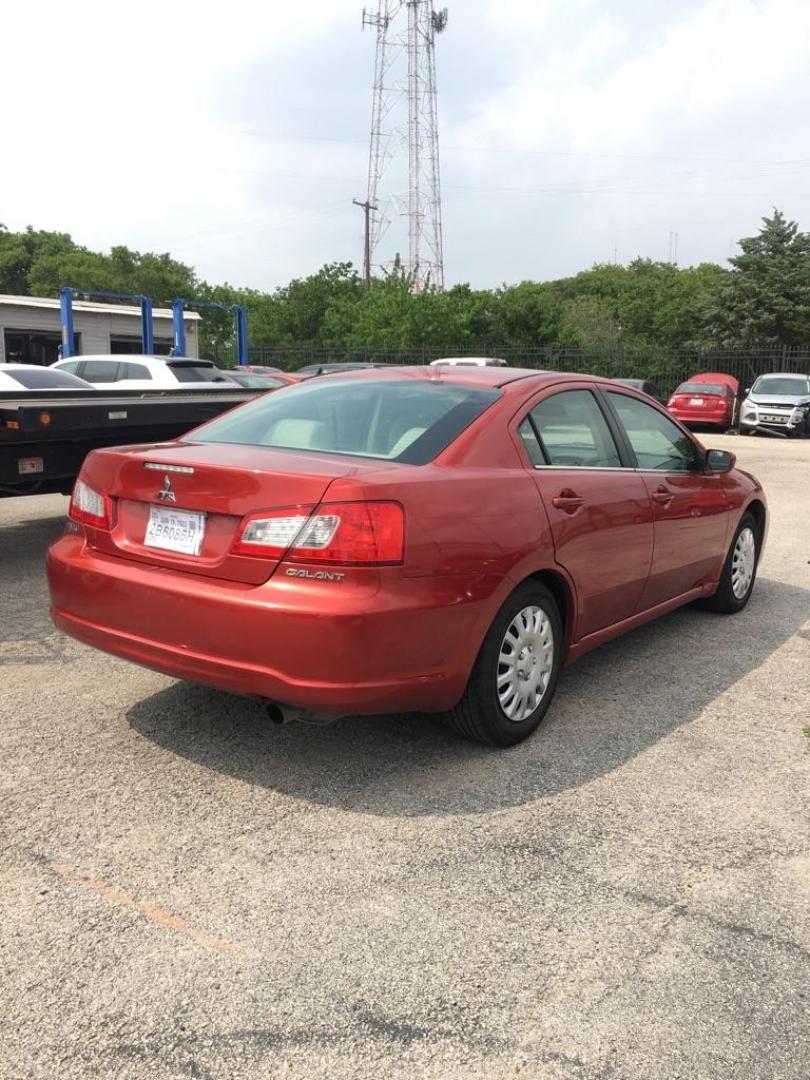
<point x="571" y="131"/>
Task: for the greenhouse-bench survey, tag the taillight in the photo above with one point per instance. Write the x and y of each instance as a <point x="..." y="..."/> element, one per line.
<point x="89" y="507"/>
<point x="350" y="533"/>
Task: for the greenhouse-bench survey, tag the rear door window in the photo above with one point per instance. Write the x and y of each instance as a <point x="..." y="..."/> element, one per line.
<point x="656" y="441"/>
<point x="100" y="371"/>
<point x="133" y="371"/>
<point x="572" y="432"/>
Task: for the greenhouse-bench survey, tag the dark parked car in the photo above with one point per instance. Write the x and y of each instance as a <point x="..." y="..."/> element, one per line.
<point x="250" y="378"/>
<point x="645" y="386"/>
<point x="332" y="369"/>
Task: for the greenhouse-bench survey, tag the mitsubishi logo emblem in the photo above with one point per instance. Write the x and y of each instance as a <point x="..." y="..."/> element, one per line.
<point x="166" y="494"/>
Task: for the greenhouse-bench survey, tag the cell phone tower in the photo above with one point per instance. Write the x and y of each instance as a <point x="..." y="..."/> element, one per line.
<point x="404" y="114"/>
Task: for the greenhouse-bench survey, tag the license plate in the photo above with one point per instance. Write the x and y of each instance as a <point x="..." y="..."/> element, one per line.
<point x="696" y="401"/>
<point x="28" y="465"/>
<point x="175" y="530"/>
<point x="774" y="419"/>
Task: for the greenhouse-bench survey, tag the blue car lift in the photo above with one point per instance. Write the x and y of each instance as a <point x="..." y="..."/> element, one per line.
<point x="66" y="313"/>
<point x="240" y="320"/>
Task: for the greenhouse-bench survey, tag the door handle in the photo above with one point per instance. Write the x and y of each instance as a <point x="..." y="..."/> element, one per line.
<point x="567" y="500"/>
<point x="662" y="496"/>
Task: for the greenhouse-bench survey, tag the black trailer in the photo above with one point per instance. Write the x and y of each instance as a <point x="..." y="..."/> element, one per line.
<point x="45" y="435"/>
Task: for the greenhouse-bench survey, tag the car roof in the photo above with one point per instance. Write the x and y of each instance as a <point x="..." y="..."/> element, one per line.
<point x="474" y="376"/>
<point x="22" y="367"/>
<point x="135" y="358"/>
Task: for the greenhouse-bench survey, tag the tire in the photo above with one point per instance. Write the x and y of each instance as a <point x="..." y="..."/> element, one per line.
<point x="530" y="617"/>
<point x="736" y="581"/>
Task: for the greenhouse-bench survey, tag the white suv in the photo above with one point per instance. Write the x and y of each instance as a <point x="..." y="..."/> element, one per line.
<point x="135" y="372"/>
<point x="778" y="402"/>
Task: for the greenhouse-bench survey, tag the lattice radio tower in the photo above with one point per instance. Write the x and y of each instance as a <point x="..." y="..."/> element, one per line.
<point x="404" y="114"/>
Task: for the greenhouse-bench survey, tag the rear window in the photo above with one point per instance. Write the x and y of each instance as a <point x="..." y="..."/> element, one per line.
<point x="409" y="421"/>
<point x="701" y="388"/>
<point x="47" y="379"/>
<point x="194" y="372"/>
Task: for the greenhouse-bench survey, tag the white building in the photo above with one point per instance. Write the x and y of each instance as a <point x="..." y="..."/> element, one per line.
<point x="31" y="332"/>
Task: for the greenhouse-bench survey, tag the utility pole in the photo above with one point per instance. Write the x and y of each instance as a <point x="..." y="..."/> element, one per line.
<point x="404" y="114"/>
<point x="366" y="207"/>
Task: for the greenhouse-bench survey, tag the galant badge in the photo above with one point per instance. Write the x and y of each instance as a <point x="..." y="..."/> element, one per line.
<point x="315" y="575"/>
<point x="166" y="494"/>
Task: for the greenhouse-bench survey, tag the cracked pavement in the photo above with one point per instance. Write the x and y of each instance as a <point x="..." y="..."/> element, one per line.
<point x="188" y="891"/>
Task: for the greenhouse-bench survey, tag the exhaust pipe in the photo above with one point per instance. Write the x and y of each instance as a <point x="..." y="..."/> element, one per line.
<point x="275" y="714"/>
<point x="286" y="714"/>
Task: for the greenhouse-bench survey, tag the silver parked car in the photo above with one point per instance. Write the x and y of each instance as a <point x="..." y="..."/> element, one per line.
<point x="778" y="403"/>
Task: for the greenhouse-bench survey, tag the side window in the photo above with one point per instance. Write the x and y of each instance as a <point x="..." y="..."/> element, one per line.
<point x="533" y="448"/>
<point x="100" y="371"/>
<point x="656" y="441"/>
<point x="574" y="432"/>
<point x="133" y="371"/>
<point x="71" y="367"/>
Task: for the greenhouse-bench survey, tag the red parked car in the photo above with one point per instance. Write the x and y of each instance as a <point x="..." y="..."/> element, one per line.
<point x="710" y="398"/>
<point x="426" y="539"/>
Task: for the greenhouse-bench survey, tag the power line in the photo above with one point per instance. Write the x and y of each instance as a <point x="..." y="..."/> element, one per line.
<point x="478" y="149"/>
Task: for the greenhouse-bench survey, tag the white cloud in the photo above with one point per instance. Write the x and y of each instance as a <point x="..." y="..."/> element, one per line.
<point x="110" y="115"/>
<point x="118" y="125"/>
<point x="724" y="53"/>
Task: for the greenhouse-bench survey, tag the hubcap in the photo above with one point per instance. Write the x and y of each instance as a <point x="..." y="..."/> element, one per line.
<point x="525" y="662"/>
<point x="743" y="563"/>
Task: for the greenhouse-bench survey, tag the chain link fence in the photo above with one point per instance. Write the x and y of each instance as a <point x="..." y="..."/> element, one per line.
<point x="665" y="368"/>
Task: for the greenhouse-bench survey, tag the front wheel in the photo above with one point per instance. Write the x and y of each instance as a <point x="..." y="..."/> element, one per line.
<point x="515" y="675"/>
<point x="739" y="570"/>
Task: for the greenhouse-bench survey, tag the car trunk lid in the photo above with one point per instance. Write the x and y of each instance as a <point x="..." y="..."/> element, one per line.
<point x="218" y="485"/>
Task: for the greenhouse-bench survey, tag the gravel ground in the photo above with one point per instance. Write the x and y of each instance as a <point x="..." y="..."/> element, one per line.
<point x="186" y="891"/>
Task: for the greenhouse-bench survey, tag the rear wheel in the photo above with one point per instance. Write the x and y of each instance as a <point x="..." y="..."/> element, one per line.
<point x="739" y="570"/>
<point x="515" y="675"/>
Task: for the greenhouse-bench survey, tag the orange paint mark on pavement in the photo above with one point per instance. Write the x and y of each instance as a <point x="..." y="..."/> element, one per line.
<point x="157" y="915"/>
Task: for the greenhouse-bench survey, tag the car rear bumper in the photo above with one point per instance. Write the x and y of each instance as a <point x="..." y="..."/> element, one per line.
<point x="324" y="647"/>
<point x="698" y="416"/>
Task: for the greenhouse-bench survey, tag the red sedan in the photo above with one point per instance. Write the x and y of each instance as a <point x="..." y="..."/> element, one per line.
<point x="710" y="399"/>
<point x="427" y="539"/>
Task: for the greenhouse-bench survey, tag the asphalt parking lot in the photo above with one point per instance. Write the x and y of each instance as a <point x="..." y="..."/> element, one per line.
<point x="187" y="891"/>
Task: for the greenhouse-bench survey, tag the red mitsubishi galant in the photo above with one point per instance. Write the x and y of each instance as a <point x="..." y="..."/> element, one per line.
<point x="427" y="539"/>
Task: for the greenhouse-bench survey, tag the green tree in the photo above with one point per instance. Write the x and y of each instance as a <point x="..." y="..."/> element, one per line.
<point x="19" y="251"/>
<point x="765" y="299"/>
<point x="589" y="322"/>
<point x="525" y="314"/>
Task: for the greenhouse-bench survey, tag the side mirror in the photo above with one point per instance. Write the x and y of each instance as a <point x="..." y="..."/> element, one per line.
<point x="719" y="461"/>
<point x="746" y="391"/>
